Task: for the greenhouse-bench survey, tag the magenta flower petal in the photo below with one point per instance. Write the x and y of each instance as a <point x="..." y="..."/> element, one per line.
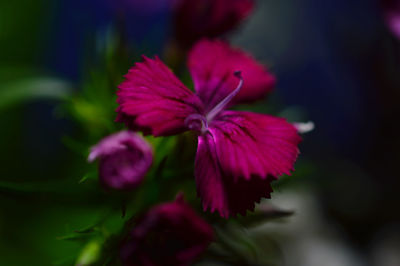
<point x="251" y="144"/>
<point x="196" y="19"/>
<point x="212" y="64"/>
<point x="169" y="234"/>
<point x="153" y="100"/>
<point x="238" y="158"/>
<point x="218" y="191"/>
<point x="125" y="158"/>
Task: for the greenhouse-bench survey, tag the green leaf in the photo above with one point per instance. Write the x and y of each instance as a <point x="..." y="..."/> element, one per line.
<point x="77" y="236"/>
<point x="23" y="90"/>
<point x="88" y="176"/>
<point x="29" y="186"/>
<point x="65" y="261"/>
<point x="90" y="253"/>
<point x="76" y="146"/>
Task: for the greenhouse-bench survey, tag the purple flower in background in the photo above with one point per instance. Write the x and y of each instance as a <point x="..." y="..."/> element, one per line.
<point x="391" y="9"/>
<point x="239" y="153"/>
<point x="197" y="19"/>
<point x="169" y="234"/>
<point x="125" y="158"/>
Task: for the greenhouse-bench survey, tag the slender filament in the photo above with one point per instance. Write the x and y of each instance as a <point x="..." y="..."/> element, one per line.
<point x="221" y="105"/>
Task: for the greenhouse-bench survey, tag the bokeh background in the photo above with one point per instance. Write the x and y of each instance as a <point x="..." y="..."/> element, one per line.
<point x="336" y="62"/>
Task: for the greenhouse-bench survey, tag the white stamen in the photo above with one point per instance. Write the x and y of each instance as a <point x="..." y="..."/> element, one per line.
<point x="303" y="128"/>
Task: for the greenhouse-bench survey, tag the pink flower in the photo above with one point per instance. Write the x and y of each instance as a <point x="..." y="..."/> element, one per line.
<point x="391" y="14"/>
<point x="169" y="234"/>
<point x="125" y="158"/>
<point x="196" y="19"/>
<point x="239" y="153"/>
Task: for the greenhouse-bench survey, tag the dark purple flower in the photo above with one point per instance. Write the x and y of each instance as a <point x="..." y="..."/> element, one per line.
<point x="169" y="234"/>
<point x="239" y="153"/>
<point x="391" y="9"/>
<point x="125" y="158"/>
<point x="197" y="19"/>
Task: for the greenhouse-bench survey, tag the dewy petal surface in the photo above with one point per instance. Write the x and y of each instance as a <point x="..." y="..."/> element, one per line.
<point x="212" y="65"/>
<point x="153" y="100"/>
<point x="238" y="158"/>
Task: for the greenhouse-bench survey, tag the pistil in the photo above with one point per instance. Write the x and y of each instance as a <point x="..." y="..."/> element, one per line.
<point x="198" y="122"/>
<point x="221" y="105"/>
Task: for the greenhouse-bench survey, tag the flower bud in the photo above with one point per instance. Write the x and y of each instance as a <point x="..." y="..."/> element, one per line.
<point x="124" y="159"/>
<point x="169" y="234"/>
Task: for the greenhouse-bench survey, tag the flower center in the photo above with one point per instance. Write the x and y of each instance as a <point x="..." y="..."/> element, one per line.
<point x="197" y="122"/>
<point x="200" y="122"/>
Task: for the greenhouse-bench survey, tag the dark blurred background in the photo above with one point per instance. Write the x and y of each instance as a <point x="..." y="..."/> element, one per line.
<point x="336" y="63"/>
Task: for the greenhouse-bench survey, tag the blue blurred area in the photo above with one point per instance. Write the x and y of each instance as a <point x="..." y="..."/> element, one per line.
<point x="330" y="83"/>
<point x="77" y="28"/>
<point x="320" y="52"/>
<point x="338" y="65"/>
<point x="72" y="22"/>
<point x="68" y="40"/>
